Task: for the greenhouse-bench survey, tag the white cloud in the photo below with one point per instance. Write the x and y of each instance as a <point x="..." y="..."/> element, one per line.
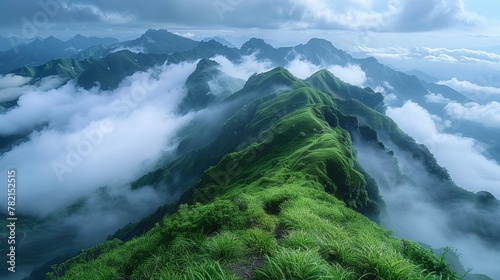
<point x="412" y="215"/>
<point x="461" y="156"/>
<point x="397" y="15"/>
<point x="189" y="35"/>
<point x="19" y="87"/>
<point x="353" y="15"/>
<point x="471" y="90"/>
<point x="351" y="74"/>
<point x="426" y="15"/>
<point x="103" y="16"/>
<point x="249" y="66"/>
<point x="436" y="98"/>
<point x="136" y="49"/>
<point x="488" y="114"/>
<point x="93" y="139"/>
<point x="441" y="58"/>
<point x="302" y="69"/>
<point x="434" y="54"/>
<point x="12" y="81"/>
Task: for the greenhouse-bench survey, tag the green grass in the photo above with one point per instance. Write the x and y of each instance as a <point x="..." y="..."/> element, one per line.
<point x="295" y="264"/>
<point x="225" y="246"/>
<point x="320" y="239"/>
<point x="288" y="208"/>
<point x="259" y="242"/>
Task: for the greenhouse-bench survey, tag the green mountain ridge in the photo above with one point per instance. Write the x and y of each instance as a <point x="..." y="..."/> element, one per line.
<point x="301" y="136"/>
<point x="276" y="209"/>
<point x="277" y="187"/>
<point x="317" y="51"/>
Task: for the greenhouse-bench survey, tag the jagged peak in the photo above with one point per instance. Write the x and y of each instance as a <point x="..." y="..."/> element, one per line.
<point x="277" y="71"/>
<point x="321" y="74"/>
<point x="221" y="40"/>
<point x="371" y="59"/>
<point x="255" y="40"/>
<point x="78" y="36"/>
<point x="211" y="43"/>
<point x="320" y="42"/>
<point x="157" y="31"/>
<point x="158" y="34"/>
<point x="51" y="39"/>
<point x="206" y="62"/>
<point x="256" y="43"/>
<point x="277" y="76"/>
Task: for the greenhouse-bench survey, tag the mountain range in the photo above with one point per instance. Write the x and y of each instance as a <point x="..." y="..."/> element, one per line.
<point x="279" y="177"/>
<point x="41" y="51"/>
<point x="110" y="70"/>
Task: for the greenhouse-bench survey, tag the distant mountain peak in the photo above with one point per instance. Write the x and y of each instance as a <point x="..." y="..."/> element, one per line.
<point x="52" y="39"/>
<point x="266" y="82"/>
<point x="206" y="62"/>
<point x="259" y="40"/>
<point x="256" y="43"/>
<point x="319" y="41"/>
<point x="157" y="32"/>
<point x="210" y="43"/>
<point x="79" y="36"/>
<point x="220" y="40"/>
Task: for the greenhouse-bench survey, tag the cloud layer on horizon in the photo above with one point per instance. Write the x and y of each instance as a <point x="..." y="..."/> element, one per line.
<point x="473" y="91"/>
<point x="394" y="15"/>
<point x="446" y="55"/>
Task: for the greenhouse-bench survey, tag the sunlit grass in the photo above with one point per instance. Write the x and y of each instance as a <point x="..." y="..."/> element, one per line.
<point x="288" y="214"/>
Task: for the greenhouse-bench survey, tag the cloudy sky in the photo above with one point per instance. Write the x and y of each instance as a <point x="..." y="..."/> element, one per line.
<point x="477" y="17"/>
<point x="364" y="26"/>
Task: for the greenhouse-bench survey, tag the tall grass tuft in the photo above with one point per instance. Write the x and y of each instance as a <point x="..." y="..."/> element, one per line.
<point x="225" y="246"/>
<point x="294" y="264"/>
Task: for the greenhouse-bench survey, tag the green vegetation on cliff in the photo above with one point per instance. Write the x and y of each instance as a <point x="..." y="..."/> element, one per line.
<point x="283" y="199"/>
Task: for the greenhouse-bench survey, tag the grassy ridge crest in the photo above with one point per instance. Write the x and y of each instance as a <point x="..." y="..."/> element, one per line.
<point x="280" y="208"/>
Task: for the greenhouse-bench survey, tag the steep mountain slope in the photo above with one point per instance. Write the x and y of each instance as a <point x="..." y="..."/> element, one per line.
<point x="276" y="204"/>
<point x="353" y="114"/>
<point x="65" y="68"/>
<point x="108" y="72"/>
<point x="208" y="85"/>
<point x="213" y="154"/>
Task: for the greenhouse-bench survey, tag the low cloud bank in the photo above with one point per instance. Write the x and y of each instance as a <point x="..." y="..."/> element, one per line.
<point x="83" y="140"/>
<point x="351" y="73"/>
<point x="462" y="156"/>
<point x="473" y="91"/>
<point x="411" y="214"/>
